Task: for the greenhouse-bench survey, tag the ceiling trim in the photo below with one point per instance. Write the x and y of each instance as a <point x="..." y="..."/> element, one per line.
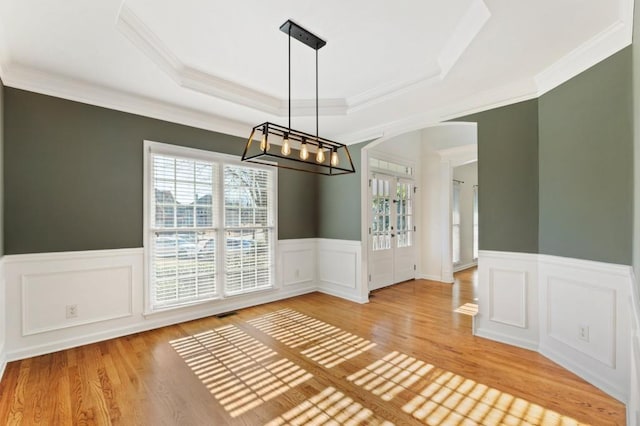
<point x="604" y="44"/>
<point x="466" y="31"/>
<point x="609" y="41"/>
<point x="583" y="57"/>
<point x="144" y="39"/>
<point x="59" y="86"/>
<point x="153" y="48"/>
<point x="498" y="97"/>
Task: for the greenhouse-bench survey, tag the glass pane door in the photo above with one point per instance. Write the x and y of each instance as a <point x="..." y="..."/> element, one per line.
<point x="381" y="214"/>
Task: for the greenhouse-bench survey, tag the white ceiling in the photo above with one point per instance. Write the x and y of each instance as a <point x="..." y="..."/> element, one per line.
<point x="388" y="67"/>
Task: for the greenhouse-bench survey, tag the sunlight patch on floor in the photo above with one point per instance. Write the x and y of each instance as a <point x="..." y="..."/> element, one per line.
<point x="332" y="344"/>
<point x="239" y="371"/>
<point x="329" y="407"/>
<point x="468" y="309"/>
<point x="448" y="398"/>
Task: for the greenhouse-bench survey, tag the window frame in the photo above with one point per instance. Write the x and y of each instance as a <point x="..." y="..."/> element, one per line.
<point x="475" y="229"/>
<point x="455" y="209"/>
<point x="158" y="148"/>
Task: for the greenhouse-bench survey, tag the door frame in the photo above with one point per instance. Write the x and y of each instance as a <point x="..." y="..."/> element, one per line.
<point x="394" y="180"/>
<point x="446" y="169"/>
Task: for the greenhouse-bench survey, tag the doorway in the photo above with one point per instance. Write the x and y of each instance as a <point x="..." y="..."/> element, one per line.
<point x="391" y="230"/>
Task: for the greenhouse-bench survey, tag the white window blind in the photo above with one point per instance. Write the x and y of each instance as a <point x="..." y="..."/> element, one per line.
<point x="455" y="223"/>
<point x="210" y="226"/>
<point x="475" y="222"/>
<point x="248" y="228"/>
<point x="183" y="263"/>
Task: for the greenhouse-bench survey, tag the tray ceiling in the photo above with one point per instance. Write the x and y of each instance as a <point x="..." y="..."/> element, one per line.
<point x="388" y="67"/>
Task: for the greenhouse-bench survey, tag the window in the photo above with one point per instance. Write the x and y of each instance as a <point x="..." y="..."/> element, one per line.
<point x="475" y="222"/>
<point x="210" y="226"/>
<point x="455" y="223"/>
<point x="381" y="213"/>
<point x="247" y="227"/>
<point x="404" y="212"/>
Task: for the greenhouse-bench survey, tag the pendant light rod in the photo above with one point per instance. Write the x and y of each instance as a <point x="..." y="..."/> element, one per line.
<point x="290" y="77"/>
<point x="339" y="159"/>
<point x="317" y="132"/>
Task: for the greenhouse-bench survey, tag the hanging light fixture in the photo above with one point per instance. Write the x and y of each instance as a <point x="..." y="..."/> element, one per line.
<point x="304" y="144"/>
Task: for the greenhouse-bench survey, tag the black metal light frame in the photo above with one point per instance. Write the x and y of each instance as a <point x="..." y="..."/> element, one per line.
<point x="261" y="133"/>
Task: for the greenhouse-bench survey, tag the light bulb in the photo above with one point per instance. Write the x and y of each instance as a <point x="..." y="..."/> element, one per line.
<point x="334" y="158"/>
<point x="264" y="143"/>
<point x="304" y="151"/>
<point x="286" y="147"/>
<point x="320" y="155"/>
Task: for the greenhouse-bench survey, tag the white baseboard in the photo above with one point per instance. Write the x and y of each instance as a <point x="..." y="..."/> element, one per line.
<point x="3" y="362"/>
<point x="459" y="268"/>
<point x="506" y="338"/>
<point x="610" y="387"/>
<point x="343" y="295"/>
<point x="429" y="277"/>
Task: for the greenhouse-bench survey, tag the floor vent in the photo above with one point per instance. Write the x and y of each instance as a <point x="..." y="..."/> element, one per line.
<point x="226" y="314"/>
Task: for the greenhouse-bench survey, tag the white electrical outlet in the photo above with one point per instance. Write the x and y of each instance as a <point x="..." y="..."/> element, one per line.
<point x="72" y="311"/>
<point x="583" y="332"/>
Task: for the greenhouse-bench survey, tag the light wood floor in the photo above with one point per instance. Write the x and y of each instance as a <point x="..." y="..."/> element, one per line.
<point x="404" y="358"/>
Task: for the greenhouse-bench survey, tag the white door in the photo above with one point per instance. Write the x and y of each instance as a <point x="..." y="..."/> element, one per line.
<point x="391" y="231"/>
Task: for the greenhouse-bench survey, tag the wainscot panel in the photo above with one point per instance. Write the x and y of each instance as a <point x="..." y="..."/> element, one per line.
<point x="298" y="262"/>
<point x="575" y="312"/>
<point x="633" y="407"/>
<point x="106" y="288"/>
<point x="3" y="319"/>
<point x="339" y="269"/>
<point x="584" y="320"/>
<point x="508" y="298"/>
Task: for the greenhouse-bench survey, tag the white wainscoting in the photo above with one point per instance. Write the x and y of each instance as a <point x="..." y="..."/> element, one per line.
<point x="3" y="320"/>
<point x="108" y="289"/>
<point x="633" y="407"/>
<point x="339" y="269"/>
<point x="575" y="312"/>
<point x="298" y="260"/>
<point x="591" y="296"/>
<point x="508" y="298"/>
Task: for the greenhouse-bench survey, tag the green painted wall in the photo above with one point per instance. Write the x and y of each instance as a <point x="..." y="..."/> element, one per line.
<point x="636" y="140"/>
<point x="508" y="177"/>
<point x="586" y="164"/>
<point x="2" y="90"/>
<point x="339" y="202"/>
<point x="297" y="204"/>
<point x="73" y="175"/>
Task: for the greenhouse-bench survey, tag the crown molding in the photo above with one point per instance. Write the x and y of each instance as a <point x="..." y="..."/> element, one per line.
<point x="386" y="91"/>
<point x="143" y="38"/>
<point x="466" y="31"/>
<point x="604" y="44"/>
<point x="611" y="40"/>
<point x="46" y="83"/>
